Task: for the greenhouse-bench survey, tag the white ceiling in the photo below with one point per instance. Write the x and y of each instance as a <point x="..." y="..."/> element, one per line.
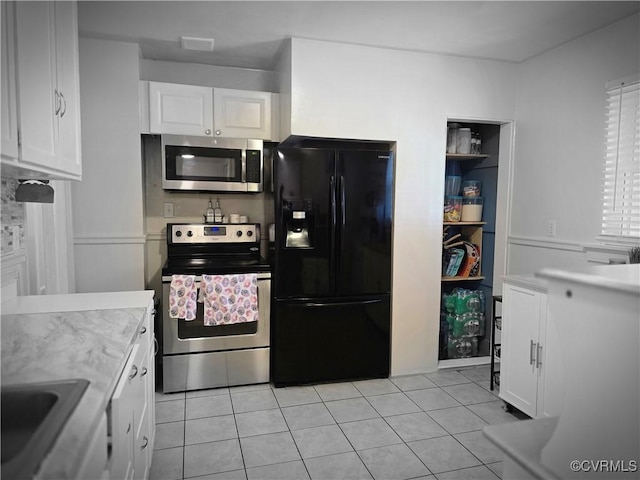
<point x="249" y="34"/>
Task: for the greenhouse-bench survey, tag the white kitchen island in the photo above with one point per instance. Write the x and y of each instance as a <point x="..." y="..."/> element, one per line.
<point x="597" y="434"/>
<point x="93" y="336"/>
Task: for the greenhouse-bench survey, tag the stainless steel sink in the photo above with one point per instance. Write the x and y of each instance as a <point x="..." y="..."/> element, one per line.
<point x="33" y="415"/>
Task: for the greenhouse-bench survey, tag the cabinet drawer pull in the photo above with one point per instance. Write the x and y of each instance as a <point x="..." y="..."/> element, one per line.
<point x="134" y="372"/>
<point x="532" y="353"/>
<point x="144" y="371"/>
<point x="129" y="427"/>
<point x="143" y="330"/>
<point x="144" y="445"/>
<point x="539" y="356"/>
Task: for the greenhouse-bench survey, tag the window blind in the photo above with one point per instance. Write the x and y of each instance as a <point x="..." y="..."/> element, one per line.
<point x="621" y="188"/>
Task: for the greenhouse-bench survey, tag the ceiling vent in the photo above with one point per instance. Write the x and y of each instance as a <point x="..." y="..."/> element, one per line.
<point x="196" y="43"/>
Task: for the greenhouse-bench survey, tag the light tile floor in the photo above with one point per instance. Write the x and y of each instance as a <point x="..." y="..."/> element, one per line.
<point x="411" y="427"/>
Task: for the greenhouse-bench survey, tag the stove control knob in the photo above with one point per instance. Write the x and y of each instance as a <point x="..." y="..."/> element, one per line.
<point x="178" y="233"/>
<point x="249" y="233"/>
<point x="189" y="233"/>
<point x="239" y="233"/>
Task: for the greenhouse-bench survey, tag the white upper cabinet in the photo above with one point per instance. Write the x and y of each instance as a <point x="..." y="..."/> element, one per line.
<point x="9" y="119"/>
<point x="212" y="112"/>
<point x="242" y="113"/>
<point x="180" y="109"/>
<point x="47" y="93"/>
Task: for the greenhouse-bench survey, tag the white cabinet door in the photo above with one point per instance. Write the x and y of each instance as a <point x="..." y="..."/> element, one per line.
<point x="9" y="119"/>
<point x="551" y="380"/>
<point x="242" y="113"/>
<point x="68" y="81"/>
<point x="520" y="330"/>
<point x="123" y="422"/>
<point x="180" y="109"/>
<point x="48" y="93"/>
<point x="39" y="98"/>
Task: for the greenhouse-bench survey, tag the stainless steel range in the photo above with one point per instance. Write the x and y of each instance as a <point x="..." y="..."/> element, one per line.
<point x="196" y="355"/>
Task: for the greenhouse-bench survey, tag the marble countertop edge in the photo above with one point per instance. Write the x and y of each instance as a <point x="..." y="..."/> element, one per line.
<point x="68" y="342"/>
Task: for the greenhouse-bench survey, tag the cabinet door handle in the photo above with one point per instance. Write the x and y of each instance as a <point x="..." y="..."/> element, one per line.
<point x="144" y="371"/>
<point x="539" y="356"/>
<point x="134" y="371"/>
<point x="207" y="132"/>
<point x="58" y="104"/>
<point x="532" y="353"/>
<point x="144" y="445"/>
<point x="143" y="330"/>
<point x="129" y="428"/>
<point x="64" y="104"/>
<point x="218" y="132"/>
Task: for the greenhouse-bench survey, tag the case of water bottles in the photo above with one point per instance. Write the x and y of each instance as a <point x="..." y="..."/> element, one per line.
<point x="463" y="311"/>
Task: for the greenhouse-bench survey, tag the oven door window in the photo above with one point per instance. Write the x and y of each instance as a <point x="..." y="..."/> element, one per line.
<point x="203" y="164"/>
<point x="197" y="329"/>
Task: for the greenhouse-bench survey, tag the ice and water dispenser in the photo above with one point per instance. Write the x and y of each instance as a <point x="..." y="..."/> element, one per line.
<point x="298" y="220"/>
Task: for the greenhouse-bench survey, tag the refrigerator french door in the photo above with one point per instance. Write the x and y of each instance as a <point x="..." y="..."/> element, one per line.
<point x="332" y="275"/>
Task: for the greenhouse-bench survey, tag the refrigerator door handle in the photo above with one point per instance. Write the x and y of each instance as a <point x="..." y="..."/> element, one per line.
<point x="342" y="201"/>
<point x="332" y="252"/>
<point x="336" y="304"/>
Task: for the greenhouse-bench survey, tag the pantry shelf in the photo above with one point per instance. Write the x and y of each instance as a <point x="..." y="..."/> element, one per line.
<point x="463" y="224"/>
<point x="466" y="156"/>
<point x="461" y="279"/>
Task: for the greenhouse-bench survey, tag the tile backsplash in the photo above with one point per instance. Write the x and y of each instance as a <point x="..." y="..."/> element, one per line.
<point x="12" y="217"/>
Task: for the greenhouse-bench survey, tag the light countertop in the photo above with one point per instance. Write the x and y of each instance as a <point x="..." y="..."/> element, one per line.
<point x="527" y="281"/>
<point x="56" y="337"/>
<point x="622" y="278"/>
<point x="523" y="441"/>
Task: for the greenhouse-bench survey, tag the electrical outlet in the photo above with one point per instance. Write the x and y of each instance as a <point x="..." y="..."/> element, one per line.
<point x="168" y="210"/>
<point x="551" y="228"/>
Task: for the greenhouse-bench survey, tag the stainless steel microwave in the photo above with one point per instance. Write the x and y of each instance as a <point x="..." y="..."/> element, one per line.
<point x="212" y="164"/>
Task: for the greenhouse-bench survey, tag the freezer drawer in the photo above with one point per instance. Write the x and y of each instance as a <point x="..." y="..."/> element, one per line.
<point x="330" y="340"/>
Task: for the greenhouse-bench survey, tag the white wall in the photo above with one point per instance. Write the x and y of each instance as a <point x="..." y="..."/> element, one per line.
<point x="108" y="203"/>
<point x="207" y="75"/>
<point x="349" y="91"/>
<point x="560" y="145"/>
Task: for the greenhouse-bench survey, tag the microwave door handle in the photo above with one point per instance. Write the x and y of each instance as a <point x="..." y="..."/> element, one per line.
<point x="243" y="174"/>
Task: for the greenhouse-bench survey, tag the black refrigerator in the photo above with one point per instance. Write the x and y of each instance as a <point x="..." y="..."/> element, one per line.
<point x="331" y="311"/>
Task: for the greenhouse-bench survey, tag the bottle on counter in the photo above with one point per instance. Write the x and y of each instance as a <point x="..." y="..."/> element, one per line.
<point x="209" y="216"/>
<point x="217" y="213"/>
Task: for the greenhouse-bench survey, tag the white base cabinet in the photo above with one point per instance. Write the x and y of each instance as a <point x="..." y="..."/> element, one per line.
<point x="531" y="365"/>
<point x="132" y="410"/>
<point x="211" y="112"/>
